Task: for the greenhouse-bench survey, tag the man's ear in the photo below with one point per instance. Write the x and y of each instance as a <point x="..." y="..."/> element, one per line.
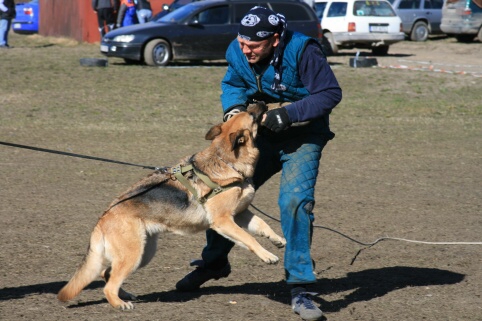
<point x="237" y="139"/>
<point x="276" y="40"/>
<point x="213" y="132"/>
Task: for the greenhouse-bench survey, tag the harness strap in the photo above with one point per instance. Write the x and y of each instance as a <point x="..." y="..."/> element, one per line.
<point x="178" y="172"/>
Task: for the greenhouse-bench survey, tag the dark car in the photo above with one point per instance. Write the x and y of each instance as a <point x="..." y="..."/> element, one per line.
<point x="198" y="31"/>
<point x="26" y="21"/>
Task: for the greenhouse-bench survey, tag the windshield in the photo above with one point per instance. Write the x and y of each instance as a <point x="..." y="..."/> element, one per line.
<point x="179" y="15"/>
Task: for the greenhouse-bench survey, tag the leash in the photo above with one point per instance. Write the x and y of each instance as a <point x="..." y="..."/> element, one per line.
<point x="217" y="189"/>
<point x="45" y="150"/>
<point x="370" y="244"/>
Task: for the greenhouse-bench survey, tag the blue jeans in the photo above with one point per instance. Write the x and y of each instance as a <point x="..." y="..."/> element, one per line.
<point x="143" y="15"/>
<point x="4" y="29"/>
<point x="298" y="158"/>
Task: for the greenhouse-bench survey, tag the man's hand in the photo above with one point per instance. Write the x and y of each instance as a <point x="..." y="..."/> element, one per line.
<point x="277" y="120"/>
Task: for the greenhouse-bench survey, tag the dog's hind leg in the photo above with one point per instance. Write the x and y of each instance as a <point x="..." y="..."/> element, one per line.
<point x="125" y="246"/>
<point x="148" y="254"/>
<point x="123" y="295"/>
<point x="257" y="226"/>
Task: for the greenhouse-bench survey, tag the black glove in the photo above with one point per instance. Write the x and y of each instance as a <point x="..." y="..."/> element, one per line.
<point x="277" y="120"/>
<point x="234" y="111"/>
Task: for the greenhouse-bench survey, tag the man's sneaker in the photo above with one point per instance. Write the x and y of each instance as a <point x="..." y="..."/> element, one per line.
<point x="201" y="275"/>
<point x="302" y="304"/>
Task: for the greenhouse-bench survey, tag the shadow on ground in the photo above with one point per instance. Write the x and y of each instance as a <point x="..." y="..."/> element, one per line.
<point x="363" y="286"/>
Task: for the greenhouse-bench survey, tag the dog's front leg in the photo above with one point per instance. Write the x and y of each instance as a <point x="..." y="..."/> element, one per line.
<point x="257" y="226"/>
<point x="226" y="227"/>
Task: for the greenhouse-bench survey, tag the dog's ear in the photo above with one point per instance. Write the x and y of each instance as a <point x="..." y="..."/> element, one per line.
<point x="238" y="138"/>
<point x="213" y="132"/>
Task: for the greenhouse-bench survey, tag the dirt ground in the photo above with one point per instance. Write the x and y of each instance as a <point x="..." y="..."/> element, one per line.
<point x="424" y="185"/>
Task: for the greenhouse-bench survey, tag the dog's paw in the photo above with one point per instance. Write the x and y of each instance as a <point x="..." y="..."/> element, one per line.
<point x="279" y="242"/>
<point x="269" y="258"/>
<point x="125" y="306"/>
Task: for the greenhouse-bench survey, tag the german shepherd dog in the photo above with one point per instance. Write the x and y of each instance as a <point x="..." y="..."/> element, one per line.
<point x="125" y="237"/>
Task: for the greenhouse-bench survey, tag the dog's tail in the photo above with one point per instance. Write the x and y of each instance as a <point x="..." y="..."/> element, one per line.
<point x="89" y="270"/>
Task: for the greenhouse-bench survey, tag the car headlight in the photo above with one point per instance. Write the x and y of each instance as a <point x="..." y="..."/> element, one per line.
<point x="123" y="38"/>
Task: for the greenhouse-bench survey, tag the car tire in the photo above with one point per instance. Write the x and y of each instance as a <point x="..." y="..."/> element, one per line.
<point x="332" y="48"/>
<point x="157" y="53"/>
<point x="380" y="50"/>
<point x="93" y="62"/>
<point x="419" y="31"/>
<point x="479" y="34"/>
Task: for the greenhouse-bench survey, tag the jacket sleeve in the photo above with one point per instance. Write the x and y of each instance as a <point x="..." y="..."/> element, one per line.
<point x="233" y="86"/>
<point x="94" y="5"/>
<point x="318" y="78"/>
<point x="121" y="14"/>
<point x="233" y="93"/>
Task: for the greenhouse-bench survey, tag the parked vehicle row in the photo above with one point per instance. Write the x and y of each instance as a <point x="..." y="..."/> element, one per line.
<point x="200" y="30"/>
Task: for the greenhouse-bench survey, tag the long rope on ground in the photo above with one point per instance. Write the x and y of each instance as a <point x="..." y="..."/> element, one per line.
<point x="370" y="244"/>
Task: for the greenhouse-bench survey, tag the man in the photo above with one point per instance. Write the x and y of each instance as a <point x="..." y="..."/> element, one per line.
<point x="269" y="63"/>
<point x="7" y="13"/>
<point x="106" y="11"/>
<point x="143" y="10"/>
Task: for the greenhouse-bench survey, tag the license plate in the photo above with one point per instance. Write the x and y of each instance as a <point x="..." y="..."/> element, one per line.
<point x="17" y="25"/>
<point x="383" y="29"/>
<point x="104" y="48"/>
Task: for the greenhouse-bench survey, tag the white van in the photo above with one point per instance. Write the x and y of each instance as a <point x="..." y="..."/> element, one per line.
<point x="462" y="19"/>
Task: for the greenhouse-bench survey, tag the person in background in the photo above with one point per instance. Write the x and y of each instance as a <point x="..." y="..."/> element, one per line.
<point x="127" y="14"/>
<point x="288" y="71"/>
<point x="144" y="10"/>
<point x="7" y="14"/>
<point x="106" y="11"/>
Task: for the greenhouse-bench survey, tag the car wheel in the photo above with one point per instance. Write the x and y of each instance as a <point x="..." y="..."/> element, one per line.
<point x="419" y="31"/>
<point x="330" y="45"/>
<point x="157" y="53"/>
<point x="380" y="50"/>
<point x="479" y="34"/>
<point x="465" y="38"/>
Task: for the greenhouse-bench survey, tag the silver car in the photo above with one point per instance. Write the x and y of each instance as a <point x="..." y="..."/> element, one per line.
<point x="462" y="19"/>
<point x="420" y="18"/>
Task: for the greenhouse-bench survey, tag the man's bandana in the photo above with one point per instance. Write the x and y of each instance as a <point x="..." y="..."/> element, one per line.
<point x="261" y="23"/>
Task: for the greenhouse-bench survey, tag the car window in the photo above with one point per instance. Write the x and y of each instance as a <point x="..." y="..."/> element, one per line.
<point x="319" y="9"/>
<point x="337" y="9"/>
<point x="291" y="11"/>
<point x="409" y="4"/>
<point x="436" y="4"/>
<point x="178" y="15"/>
<point x="373" y="8"/>
<point x="214" y="16"/>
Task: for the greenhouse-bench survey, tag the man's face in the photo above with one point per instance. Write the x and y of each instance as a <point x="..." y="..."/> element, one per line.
<point x="256" y="51"/>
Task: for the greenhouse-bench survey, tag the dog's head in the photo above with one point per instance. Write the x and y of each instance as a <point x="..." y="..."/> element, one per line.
<point x="240" y="129"/>
<point x="234" y="140"/>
